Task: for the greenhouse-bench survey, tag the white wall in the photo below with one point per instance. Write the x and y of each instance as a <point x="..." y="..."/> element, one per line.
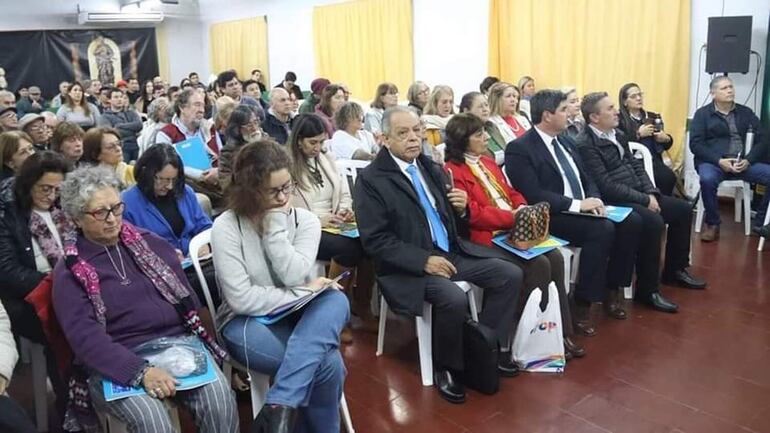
<point x="701" y="11"/>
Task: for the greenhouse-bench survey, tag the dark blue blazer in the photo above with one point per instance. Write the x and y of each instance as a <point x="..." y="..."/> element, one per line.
<point x="533" y="172"/>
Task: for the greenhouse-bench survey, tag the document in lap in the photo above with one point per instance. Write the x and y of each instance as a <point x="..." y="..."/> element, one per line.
<point x="194" y="156"/>
<point x="549" y="244"/>
<point x="349" y="230"/>
<point x="615" y="214"/>
<point x="284" y="310"/>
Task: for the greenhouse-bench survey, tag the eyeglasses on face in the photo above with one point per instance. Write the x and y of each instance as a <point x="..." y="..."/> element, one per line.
<point x="47" y="189"/>
<point x="103" y="214"/>
<point x="286" y="189"/>
<point x="165" y="180"/>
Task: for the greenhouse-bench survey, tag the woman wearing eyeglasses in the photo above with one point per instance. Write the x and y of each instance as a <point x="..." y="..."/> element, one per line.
<point x="264" y="249"/>
<point x="119" y="289"/>
<point x="101" y="146"/>
<point x="162" y="203"/>
<point x="32" y="231"/>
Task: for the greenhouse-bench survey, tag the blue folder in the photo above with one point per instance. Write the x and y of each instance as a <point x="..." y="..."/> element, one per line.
<point x="194" y="156"/>
<point x="549" y="245"/>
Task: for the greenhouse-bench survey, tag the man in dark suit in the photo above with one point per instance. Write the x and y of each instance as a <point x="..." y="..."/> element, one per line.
<point x="545" y="166"/>
<point x="407" y="223"/>
<point x="622" y="181"/>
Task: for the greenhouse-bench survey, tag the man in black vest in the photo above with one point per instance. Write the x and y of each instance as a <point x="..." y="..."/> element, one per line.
<point x="407" y="223"/>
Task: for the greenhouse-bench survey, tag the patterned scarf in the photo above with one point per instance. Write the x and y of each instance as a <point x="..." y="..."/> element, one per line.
<point x="80" y="414"/>
<point x="478" y="169"/>
<point x="42" y="233"/>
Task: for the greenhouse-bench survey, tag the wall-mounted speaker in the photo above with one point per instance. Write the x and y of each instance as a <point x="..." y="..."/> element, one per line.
<point x="729" y="44"/>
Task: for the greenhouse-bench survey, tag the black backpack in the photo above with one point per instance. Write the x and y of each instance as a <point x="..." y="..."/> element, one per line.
<point x="481" y="352"/>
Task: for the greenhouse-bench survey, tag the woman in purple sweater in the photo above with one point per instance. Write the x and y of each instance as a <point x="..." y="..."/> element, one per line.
<point x="120" y="287"/>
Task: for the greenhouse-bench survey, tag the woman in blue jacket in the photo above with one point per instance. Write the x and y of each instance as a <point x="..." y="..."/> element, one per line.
<point x="162" y="203"/>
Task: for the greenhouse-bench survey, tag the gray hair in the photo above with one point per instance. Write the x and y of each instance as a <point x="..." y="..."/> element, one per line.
<point x="155" y="111"/>
<point x="274" y="92"/>
<point x="7" y="93"/>
<point x="81" y="184"/>
<point x="716" y="80"/>
<point x="347" y="113"/>
<point x="183" y="98"/>
<point x="414" y="89"/>
<point x="389" y="113"/>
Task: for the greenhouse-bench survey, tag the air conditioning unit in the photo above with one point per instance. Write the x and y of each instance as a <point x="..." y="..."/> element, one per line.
<point x="118" y="17"/>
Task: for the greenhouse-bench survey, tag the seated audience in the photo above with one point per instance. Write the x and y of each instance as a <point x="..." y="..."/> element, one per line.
<point x="159" y="114"/>
<point x="437" y="113"/>
<point x="493" y="204"/>
<point x="101" y="146"/>
<point x="545" y="166"/>
<point x="527" y="89"/>
<point x="231" y="86"/>
<point x="92" y="91"/>
<point x="142" y="104"/>
<point x="15" y="147"/>
<point x="277" y="123"/>
<point x="77" y="110"/>
<point x="32" y="103"/>
<point x="256" y="75"/>
<point x="622" y="180"/>
<point x="133" y="91"/>
<point x="717" y="140"/>
<point x="505" y="115"/>
<point x="14" y="419"/>
<point x="104" y="98"/>
<point x="9" y="120"/>
<point x="321" y="190"/>
<point x="294" y="102"/>
<point x="289" y="84"/>
<point x="351" y="140"/>
<point x="575" y="122"/>
<point x="126" y="121"/>
<point x="121" y="287"/>
<point x="418" y="95"/>
<point x="476" y="103"/>
<point x="486" y="83"/>
<point x="251" y="89"/>
<point x="161" y="203"/>
<point x="32" y="230"/>
<point x="646" y="127"/>
<point x="332" y="99"/>
<point x="317" y="87"/>
<point x="34" y="125"/>
<point x="408" y="225"/>
<point x="218" y="131"/>
<point x="385" y="97"/>
<point x="7" y="99"/>
<point x="263" y="251"/>
<point x="61" y="98"/>
<point x="67" y="139"/>
<point x="242" y="128"/>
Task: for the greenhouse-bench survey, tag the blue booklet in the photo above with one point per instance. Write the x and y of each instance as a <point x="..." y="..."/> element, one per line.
<point x="114" y="391"/>
<point x="549" y="244"/>
<point x="349" y="230"/>
<point x="617" y="214"/>
<point x="194" y="156"/>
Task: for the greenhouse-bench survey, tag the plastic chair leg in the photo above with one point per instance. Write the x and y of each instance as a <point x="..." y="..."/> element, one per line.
<point x="425" y="343"/>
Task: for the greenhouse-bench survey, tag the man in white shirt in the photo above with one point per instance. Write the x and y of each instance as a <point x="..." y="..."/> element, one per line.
<point x="545" y="166"/>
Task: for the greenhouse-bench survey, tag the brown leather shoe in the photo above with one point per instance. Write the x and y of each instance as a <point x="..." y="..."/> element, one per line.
<point x="585" y="328"/>
<point x="570" y="346"/>
<point x="581" y="318"/>
<point x="613" y="307"/>
<point x="710" y="233"/>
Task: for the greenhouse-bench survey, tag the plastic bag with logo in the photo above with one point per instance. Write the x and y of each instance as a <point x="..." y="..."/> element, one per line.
<point x="539" y="344"/>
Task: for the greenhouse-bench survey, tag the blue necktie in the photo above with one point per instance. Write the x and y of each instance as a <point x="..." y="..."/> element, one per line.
<point x="574" y="183"/>
<point x="437" y="229"/>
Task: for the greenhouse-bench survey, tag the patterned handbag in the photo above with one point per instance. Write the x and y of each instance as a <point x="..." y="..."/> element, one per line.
<point x="530" y="226"/>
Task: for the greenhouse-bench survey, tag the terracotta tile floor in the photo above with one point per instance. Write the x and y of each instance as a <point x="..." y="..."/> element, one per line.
<point x="704" y="370"/>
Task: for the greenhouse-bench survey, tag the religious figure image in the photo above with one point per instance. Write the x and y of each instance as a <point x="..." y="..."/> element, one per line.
<point x="104" y="60"/>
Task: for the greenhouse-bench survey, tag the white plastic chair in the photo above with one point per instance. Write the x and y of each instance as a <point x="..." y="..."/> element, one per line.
<point x="36" y="354"/>
<point x="572" y="254"/>
<point x="742" y="194"/>
<point x="423" y="325"/>
<point x="761" y="245"/>
<point x="646" y="156"/>
<point x="260" y="383"/>
<point x="349" y="168"/>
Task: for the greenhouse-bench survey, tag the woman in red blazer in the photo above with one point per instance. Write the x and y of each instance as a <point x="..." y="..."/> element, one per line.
<point x="492" y="204"/>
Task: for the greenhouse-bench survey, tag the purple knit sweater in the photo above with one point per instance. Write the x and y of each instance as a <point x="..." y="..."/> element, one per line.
<point x="136" y="313"/>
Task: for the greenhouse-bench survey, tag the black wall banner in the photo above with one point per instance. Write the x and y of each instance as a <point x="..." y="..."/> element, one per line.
<point x="45" y="58"/>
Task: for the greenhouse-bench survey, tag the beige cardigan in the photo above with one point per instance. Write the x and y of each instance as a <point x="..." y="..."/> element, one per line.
<point x="8" y="353"/>
<point x="341" y="191"/>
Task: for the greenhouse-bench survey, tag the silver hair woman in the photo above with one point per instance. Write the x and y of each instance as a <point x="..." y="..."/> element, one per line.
<point x="120" y="290"/>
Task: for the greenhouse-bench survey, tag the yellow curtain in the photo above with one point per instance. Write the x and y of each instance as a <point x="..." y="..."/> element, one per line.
<point x="599" y="45"/>
<point x="161" y="40"/>
<point x="240" y="45"/>
<point x="365" y="43"/>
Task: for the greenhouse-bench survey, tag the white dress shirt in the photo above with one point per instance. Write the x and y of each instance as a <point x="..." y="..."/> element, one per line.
<point x="575" y="206"/>
<point x="403" y="166"/>
<point x="609" y="136"/>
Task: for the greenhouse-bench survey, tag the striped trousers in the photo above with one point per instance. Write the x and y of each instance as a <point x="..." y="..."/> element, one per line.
<point x="212" y="406"/>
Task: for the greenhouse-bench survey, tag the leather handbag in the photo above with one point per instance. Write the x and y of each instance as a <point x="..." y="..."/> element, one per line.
<point x="530" y="226"/>
<point x="481" y="350"/>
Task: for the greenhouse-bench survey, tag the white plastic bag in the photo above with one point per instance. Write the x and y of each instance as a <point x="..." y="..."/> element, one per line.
<point x="539" y="343"/>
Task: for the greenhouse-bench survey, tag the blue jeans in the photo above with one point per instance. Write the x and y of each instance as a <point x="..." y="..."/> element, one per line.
<point x="302" y="354"/>
<point x="710" y="178"/>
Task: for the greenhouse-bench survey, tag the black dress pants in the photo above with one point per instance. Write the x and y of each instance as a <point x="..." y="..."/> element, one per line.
<point x="665" y="178"/>
<point x="608" y="251"/>
<point x="501" y="281"/>
<point x="13" y="418"/>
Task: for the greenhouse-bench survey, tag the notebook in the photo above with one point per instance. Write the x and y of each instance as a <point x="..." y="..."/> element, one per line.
<point x="194" y="156"/>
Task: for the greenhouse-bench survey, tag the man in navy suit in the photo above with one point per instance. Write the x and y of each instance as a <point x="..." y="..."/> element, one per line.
<point x="545" y="166"/>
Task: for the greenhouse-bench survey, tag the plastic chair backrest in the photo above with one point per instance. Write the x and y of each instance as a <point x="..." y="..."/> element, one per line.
<point x="201" y="239"/>
<point x="639" y="148"/>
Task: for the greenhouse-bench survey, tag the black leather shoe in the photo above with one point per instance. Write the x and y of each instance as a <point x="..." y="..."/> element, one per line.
<point x="682" y="278"/>
<point x="582" y="318"/>
<point x="763" y="231"/>
<point x="585" y="327"/>
<point x="506" y="366"/>
<point x="657" y="302"/>
<point x="573" y="348"/>
<point x="451" y="390"/>
<point x="274" y="418"/>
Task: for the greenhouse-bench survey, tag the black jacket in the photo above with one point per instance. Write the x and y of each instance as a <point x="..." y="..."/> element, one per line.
<point x="534" y="173"/>
<point x="710" y="134"/>
<point x="18" y="273"/>
<point x="395" y="232"/>
<point x="275" y="128"/>
<point x="620" y="179"/>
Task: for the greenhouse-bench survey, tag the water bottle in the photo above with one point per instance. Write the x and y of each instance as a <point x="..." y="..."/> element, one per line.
<point x="749" y="140"/>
